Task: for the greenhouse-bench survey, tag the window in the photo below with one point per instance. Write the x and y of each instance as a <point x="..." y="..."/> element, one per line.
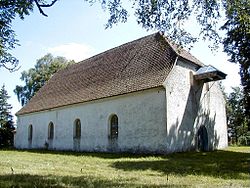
<point x="77" y="129"/>
<point x="30" y="132"/>
<point x="114" y="127"/>
<point x="51" y="131"/>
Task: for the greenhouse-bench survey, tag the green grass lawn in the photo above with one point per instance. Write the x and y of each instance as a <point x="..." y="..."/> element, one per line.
<point x="224" y="168"/>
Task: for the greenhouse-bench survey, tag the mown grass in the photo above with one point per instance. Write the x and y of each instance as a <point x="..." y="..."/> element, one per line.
<point x="224" y="168"/>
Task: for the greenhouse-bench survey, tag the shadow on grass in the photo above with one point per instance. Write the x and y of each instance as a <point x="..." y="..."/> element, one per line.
<point x="27" y="180"/>
<point x="102" y="155"/>
<point x="218" y="164"/>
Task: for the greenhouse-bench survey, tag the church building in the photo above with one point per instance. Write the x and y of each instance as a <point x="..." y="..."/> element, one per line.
<point x="145" y="96"/>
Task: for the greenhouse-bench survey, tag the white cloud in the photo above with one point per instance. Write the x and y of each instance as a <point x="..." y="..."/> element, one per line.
<point x="72" y="51"/>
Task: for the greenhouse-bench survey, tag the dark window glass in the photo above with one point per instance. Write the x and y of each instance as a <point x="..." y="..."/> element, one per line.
<point x="114" y="127"/>
<point x="30" y="132"/>
<point x="77" y="129"/>
<point x="51" y="131"/>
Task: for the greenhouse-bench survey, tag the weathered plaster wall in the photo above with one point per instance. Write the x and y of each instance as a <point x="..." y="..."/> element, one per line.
<point x="141" y="116"/>
<point x="160" y="120"/>
<point x="189" y="106"/>
<point x="213" y="113"/>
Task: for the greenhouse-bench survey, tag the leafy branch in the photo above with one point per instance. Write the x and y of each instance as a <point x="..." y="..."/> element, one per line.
<point x="40" y="6"/>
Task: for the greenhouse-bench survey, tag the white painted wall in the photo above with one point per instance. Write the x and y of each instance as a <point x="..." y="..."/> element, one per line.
<point x="213" y="103"/>
<point x="141" y="117"/>
<point x="189" y="106"/>
<point x="147" y="121"/>
<point x="180" y="123"/>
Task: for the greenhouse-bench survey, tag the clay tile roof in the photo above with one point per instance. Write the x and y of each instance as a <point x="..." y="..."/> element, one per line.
<point x="134" y="66"/>
<point x="183" y="53"/>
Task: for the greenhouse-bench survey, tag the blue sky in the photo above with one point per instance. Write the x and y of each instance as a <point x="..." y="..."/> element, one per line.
<point x="76" y="30"/>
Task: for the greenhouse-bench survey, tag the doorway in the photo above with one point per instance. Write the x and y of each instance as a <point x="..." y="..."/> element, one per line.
<point x="202" y="139"/>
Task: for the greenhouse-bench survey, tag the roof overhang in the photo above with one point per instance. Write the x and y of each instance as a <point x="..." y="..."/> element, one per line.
<point x="209" y="73"/>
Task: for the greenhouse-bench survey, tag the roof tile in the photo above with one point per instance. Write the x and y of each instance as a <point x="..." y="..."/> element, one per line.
<point x="134" y="66"/>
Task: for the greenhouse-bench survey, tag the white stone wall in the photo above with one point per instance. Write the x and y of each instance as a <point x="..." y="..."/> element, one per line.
<point x="190" y="105"/>
<point x="213" y="104"/>
<point x="160" y="120"/>
<point x="141" y="117"/>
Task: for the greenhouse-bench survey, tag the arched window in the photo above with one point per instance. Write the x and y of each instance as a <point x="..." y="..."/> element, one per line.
<point x="51" y="131"/>
<point x="77" y="129"/>
<point x="114" y="127"/>
<point x="30" y="132"/>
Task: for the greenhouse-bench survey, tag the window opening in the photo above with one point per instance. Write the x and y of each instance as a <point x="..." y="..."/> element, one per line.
<point x="30" y="132"/>
<point x="77" y="129"/>
<point x="51" y="131"/>
<point x="114" y="127"/>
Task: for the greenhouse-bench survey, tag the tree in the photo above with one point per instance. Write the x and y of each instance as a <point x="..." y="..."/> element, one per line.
<point x="237" y="122"/>
<point x="9" y="9"/>
<point x="36" y="77"/>
<point x="5" y="108"/>
<point x="6" y="120"/>
<point x="237" y="45"/>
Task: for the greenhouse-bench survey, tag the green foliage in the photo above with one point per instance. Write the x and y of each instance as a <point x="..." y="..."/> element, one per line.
<point x="6" y="120"/>
<point x="5" y="114"/>
<point x="225" y="168"/>
<point x="36" y="77"/>
<point x="9" y="10"/>
<point x="237" y="121"/>
<point x="169" y="16"/>
<point x="237" y="44"/>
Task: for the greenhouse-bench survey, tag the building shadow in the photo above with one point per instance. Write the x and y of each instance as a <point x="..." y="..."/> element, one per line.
<point x="218" y="164"/>
<point x="103" y="155"/>
<point x="28" y="180"/>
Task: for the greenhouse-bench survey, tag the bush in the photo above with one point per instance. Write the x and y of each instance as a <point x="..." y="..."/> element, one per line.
<point x="6" y="137"/>
<point x="244" y="140"/>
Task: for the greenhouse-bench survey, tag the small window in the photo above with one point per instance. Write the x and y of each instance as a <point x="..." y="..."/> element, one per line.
<point x="114" y="127"/>
<point x="77" y="129"/>
<point x="30" y="132"/>
<point x="51" y="131"/>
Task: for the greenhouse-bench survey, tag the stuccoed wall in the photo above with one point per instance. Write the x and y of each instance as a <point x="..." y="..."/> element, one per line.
<point x="160" y="120"/>
<point x="190" y="105"/>
<point x="141" y="116"/>
<point x="212" y="114"/>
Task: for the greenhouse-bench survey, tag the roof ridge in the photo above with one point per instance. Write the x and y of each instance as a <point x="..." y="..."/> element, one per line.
<point x="113" y="48"/>
<point x="180" y="51"/>
<point x="134" y="66"/>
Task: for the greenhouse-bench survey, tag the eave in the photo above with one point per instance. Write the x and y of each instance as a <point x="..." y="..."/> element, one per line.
<point x="209" y="73"/>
